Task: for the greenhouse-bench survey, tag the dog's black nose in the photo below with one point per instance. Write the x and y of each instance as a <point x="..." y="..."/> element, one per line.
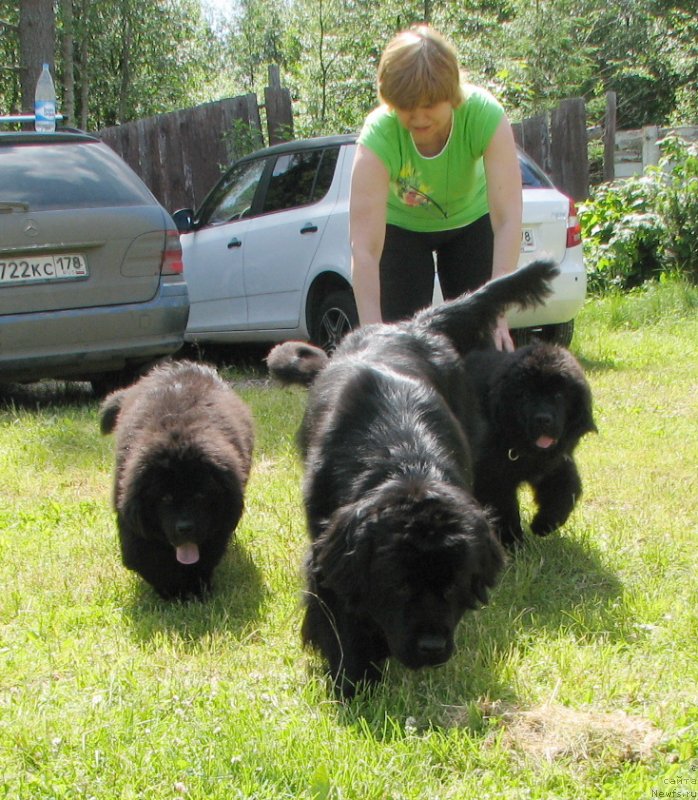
<point x="184" y="527"/>
<point x="543" y="420"/>
<point x="432" y="645"/>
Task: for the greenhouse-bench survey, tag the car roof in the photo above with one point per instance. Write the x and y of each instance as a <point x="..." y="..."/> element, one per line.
<point x="301" y="144"/>
<point x="32" y="137"/>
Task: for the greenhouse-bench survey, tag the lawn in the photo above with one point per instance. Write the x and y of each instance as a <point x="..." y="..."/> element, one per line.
<point x="579" y="680"/>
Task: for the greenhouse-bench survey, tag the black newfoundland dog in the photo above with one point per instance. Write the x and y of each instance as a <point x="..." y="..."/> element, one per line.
<point x="400" y="549"/>
<point x="184" y="444"/>
<point x="536" y="405"/>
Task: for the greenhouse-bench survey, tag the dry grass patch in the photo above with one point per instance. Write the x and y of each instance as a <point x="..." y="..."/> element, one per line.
<point x="552" y="732"/>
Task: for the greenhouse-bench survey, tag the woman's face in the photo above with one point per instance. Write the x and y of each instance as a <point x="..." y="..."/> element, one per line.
<point x="429" y="125"/>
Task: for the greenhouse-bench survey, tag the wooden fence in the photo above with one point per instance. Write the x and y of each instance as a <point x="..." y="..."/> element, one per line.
<point x="636" y="149"/>
<point x="181" y="155"/>
<point x="557" y="142"/>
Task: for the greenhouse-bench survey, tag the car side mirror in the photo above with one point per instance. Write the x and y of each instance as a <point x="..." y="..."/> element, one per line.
<point x="184" y="219"/>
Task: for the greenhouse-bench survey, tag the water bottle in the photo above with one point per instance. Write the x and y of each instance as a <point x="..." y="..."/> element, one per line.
<point x="45" y="103"/>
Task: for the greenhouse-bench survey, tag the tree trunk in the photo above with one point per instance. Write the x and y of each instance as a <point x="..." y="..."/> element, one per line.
<point x="68" y="66"/>
<point x="125" y="64"/>
<point x="37" y="32"/>
<point x="84" y="70"/>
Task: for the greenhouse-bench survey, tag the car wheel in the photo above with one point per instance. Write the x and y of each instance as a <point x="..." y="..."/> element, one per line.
<point x="560" y="334"/>
<point x="333" y="318"/>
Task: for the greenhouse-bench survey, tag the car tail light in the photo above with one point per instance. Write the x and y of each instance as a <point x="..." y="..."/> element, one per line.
<point x="574" y="229"/>
<point x="172" y="255"/>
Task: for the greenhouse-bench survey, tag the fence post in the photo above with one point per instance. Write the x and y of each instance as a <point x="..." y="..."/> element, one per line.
<point x="650" y="148"/>
<point x="568" y="148"/>
<point x="277" y="102"/>
<point x="609" y="138"/>
<point x="533" y="136"/>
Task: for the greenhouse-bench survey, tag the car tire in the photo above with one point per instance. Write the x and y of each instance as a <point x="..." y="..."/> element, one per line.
<point x="560" y="334"/>
<point x="333" y="317"/>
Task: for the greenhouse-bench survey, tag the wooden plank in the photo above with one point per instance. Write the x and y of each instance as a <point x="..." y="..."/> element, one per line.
<point x="277" y="102"/>
<point x="536" y="140"/>
<point x="568" y="148"/>
<point x="609" y="138"/>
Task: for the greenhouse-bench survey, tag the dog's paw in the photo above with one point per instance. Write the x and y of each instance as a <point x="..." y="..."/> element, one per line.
<point x="542" y="526"/>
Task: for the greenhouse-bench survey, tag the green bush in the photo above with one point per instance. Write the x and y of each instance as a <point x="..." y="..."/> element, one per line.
<point x="637" y="229"/>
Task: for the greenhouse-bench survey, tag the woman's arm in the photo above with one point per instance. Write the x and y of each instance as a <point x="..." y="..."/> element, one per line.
<point x="367" y="214"/>
<point x="505" y="203"/>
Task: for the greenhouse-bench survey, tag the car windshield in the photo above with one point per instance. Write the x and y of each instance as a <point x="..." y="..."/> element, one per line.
<point x="66" y="175"/>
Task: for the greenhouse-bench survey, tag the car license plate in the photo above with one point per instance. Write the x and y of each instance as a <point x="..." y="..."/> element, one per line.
<point x="43" y="268"/>
<point x="528" y="240"/>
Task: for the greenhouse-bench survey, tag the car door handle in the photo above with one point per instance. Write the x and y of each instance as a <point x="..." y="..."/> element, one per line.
<point x="309" y="228"/>
<point x="234" y="242"/>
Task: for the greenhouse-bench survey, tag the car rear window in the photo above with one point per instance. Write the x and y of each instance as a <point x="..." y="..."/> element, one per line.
<point x="67" y="175"/>
<point x="532" y="175"/>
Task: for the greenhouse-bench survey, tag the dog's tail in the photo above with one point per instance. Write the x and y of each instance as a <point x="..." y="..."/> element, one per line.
<point x="296" y="362"/>
<point x="109" y="411"/>
<point x="468" y="320"/>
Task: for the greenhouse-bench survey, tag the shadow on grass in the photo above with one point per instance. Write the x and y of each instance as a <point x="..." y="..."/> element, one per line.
<point x="247" y="358"/>
<point x="232" y="606"/>
<point x="559" y="583"/>
<point x="600" y="364"/>
<point x="46" y="394"/>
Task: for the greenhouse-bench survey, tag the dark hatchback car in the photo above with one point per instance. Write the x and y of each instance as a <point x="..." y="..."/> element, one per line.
<point x="91" y="277"/>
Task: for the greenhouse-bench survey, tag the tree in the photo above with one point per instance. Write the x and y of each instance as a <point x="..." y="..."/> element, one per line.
<point x="68" y="61"/>
<point x="37" y="36"/>
<point x="10" y="93"/>
<point x="135" y="59"/>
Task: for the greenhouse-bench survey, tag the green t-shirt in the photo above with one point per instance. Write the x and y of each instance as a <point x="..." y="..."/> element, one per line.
<point x="444" y="191"/>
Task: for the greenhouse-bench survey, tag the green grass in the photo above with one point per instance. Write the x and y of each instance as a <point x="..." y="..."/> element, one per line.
<point x="579" y="680"/>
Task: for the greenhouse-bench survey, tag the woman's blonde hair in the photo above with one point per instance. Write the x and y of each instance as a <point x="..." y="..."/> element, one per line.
<point x="419" y="68"/>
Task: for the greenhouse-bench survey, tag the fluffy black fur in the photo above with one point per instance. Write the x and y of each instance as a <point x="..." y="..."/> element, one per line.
<point x="296" y="362"/>
<point x="536" y="405"/>
<point x="184" y="444"/>
<point x="399" y="548"/>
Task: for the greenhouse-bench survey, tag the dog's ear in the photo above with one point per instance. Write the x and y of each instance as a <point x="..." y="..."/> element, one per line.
<point x="486" y="560"/>
<point x="109" y="411"/>
<point x="341" y="554"/>
<point x="490" y="563"/>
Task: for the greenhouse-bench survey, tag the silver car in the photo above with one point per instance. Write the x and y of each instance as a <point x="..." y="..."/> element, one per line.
<point x="267" y="255"/>
<point x="91" y="275"/>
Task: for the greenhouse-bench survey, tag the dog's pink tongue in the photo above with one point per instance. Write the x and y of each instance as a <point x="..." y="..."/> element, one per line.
<point x="188" y="553"/>
<point x="544" y="442"/>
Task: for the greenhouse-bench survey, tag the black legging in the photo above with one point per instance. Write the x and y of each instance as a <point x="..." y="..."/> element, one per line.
<point x="463" y="262"/>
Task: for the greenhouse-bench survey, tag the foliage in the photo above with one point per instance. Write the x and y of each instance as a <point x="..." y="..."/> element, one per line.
<point x="677" y="205"/>
<point x="636" y="229"/>
<point x="10" y="99"/>
<point x="148" y="58"/>
<point x="137" y="59"/>
<point x="545" y="58"/>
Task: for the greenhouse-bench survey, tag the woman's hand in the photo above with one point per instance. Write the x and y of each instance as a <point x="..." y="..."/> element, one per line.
<point x="502" y="337"/>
